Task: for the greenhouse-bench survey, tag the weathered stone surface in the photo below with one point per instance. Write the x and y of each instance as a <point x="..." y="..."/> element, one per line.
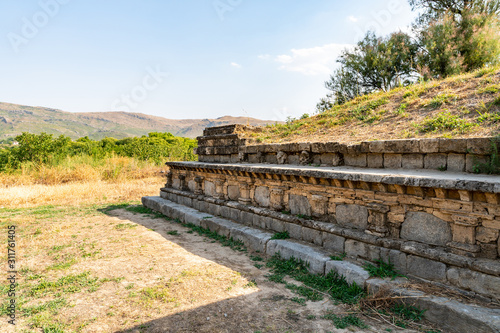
<point x="288" y="249"/>
<point x="355" y="216"/>
<point x="412" y="161"/>
<point x="333" y="242"/>
<point x="254" y="239"/>
<point x="262" y="196"/>
<point x="475" y="281"/>
<point x="233" y="192"/>
<point x="448" y="313"/>
<point x="393" y="161"/>
<point x="429" y="145"/>
<point x="299" y="205"/>
<point x="396" y="258"/>
<point x="456" y="162"/>
<point x="305" y="157"/>
<point x="337" y="159"/>
<point x="209" y="188"/>
<point x="375" y="160"/>
<point x="355" y="248"/>
<point x="453" y="146"/>
<point x="425" y="228"/>
<point x="357" y="160"/>
<point x="352" y="272"/>
<point x="276" y="225"/>
<point x="282" y="157"/>
<point x="294" y="230"/>
<point x="312" y="236"/>
<point x="464" y="234"/>
<point x="319" y="205"/>
<point x="435" y="161"/>
<point x="426" y="269"/>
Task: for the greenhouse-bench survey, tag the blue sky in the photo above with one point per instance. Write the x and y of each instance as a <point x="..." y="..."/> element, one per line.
<point x="182" y="58"/>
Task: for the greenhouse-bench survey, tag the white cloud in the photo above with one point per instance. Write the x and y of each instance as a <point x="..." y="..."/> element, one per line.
<point x="235" y="65"/>
<point x="352" y="18"/>
<point x="312" y="61"/>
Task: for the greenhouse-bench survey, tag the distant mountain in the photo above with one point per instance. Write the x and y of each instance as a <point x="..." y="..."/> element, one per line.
<point x="15" y="119"/>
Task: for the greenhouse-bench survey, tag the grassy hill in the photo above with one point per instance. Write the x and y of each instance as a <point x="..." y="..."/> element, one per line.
<point x="466" y="105"/>
<point x="15" y="119"/>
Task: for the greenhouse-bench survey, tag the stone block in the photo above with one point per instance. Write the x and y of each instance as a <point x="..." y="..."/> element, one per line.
<point x="246" y="218"/>
<point x="393" y="161"/>
<point x="209" y="188"/>
<point x="312" y="236"/>
<point x="402" y="146"/>
<point x="352" y="215"/>
<point x="282" y="157"/>
<point x="319" y="205"/>
<point x="376" y="147"/>
<point x="293" y="159"/>
<point x="294" y="230"/>
<point x="224" y="212"/>
<point x="299" y="204"/>
<point x="475" y="281"/>
<point x="429" y="146"/>
<point x="473" y="161"/>
<point x="355" y="248"/>
<point x="351" y="272"/>
<point x="271" y="158"/>
<point x="396" y="258"/>
<point x="233" y="192"/>
<point x="276" y="225"/>
<point x="456" y="162"/>
<point x="254" y="239"/>
<point x="464" y="234"/>
<point x="214" y="209"/>
<point x="262" y="196"/>
<point x="235" y="214"/>
<point x="288" y="249"/>
<point x="333" y="242"/>
<point x="458" y="146"/>
<point x="375" y="160"/>
<point x="486" y="235"/>
<point x="413" y="161"/>
<point x="326" y="158"/>
<point x="479" y="146"/>
<point x="338" y="159"/>
<point x="425" y="228"/>
<point x="356" y="160"/>
<point x="426" y="269"/>
<point x="493" y="224"/>
<point x="435" y="161"/>
<point x="259" y="222"/>
<point x="489" y="251"/>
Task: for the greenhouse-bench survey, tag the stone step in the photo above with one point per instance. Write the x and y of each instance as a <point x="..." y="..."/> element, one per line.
<point x="448" y="313"/>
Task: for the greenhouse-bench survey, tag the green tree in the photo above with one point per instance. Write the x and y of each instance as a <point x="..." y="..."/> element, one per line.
<point x="375" y="64"/>
<point x="457" y="36"/>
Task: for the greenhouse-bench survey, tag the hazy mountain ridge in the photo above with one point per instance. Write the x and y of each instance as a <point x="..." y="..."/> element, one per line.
<point x="15" y="119"/>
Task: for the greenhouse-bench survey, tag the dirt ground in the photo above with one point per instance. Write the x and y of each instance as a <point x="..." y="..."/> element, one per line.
<point x="144" y="274"/>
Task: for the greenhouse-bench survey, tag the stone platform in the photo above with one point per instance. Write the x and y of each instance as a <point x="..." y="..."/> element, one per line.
<point x="447" y="313"/>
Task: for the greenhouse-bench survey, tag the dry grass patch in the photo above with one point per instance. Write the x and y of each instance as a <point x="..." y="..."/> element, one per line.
<point x="471" y="98"/>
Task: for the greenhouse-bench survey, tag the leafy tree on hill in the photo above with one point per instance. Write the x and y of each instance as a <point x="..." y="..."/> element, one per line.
<point x="376" y="63"/>
<point x="457" y="36"/>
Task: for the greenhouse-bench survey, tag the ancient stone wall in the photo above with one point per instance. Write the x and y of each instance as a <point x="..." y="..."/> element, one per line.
<point x="437" y="226"/>
<point x="224" y="145"/>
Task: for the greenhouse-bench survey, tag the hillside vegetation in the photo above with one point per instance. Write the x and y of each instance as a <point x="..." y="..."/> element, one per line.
<point x="16" y="119"/>
<point x="466" y="105"/>
<point x="43" y="159"/>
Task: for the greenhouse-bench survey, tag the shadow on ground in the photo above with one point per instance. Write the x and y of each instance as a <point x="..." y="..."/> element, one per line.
<point x="270" y="309"/>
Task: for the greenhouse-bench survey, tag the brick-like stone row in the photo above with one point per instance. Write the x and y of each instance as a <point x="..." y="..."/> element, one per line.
<point x="447" y="313"/>
<point x="227" y="145"/>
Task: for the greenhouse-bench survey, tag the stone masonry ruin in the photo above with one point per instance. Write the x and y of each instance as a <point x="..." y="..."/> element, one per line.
<point x="375" y="200"/>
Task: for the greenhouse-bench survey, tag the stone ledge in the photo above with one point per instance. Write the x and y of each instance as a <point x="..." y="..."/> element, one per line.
<point x="416" y="178"/>
<point x="489" y="267"/>
<point x="459" y="317"/>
